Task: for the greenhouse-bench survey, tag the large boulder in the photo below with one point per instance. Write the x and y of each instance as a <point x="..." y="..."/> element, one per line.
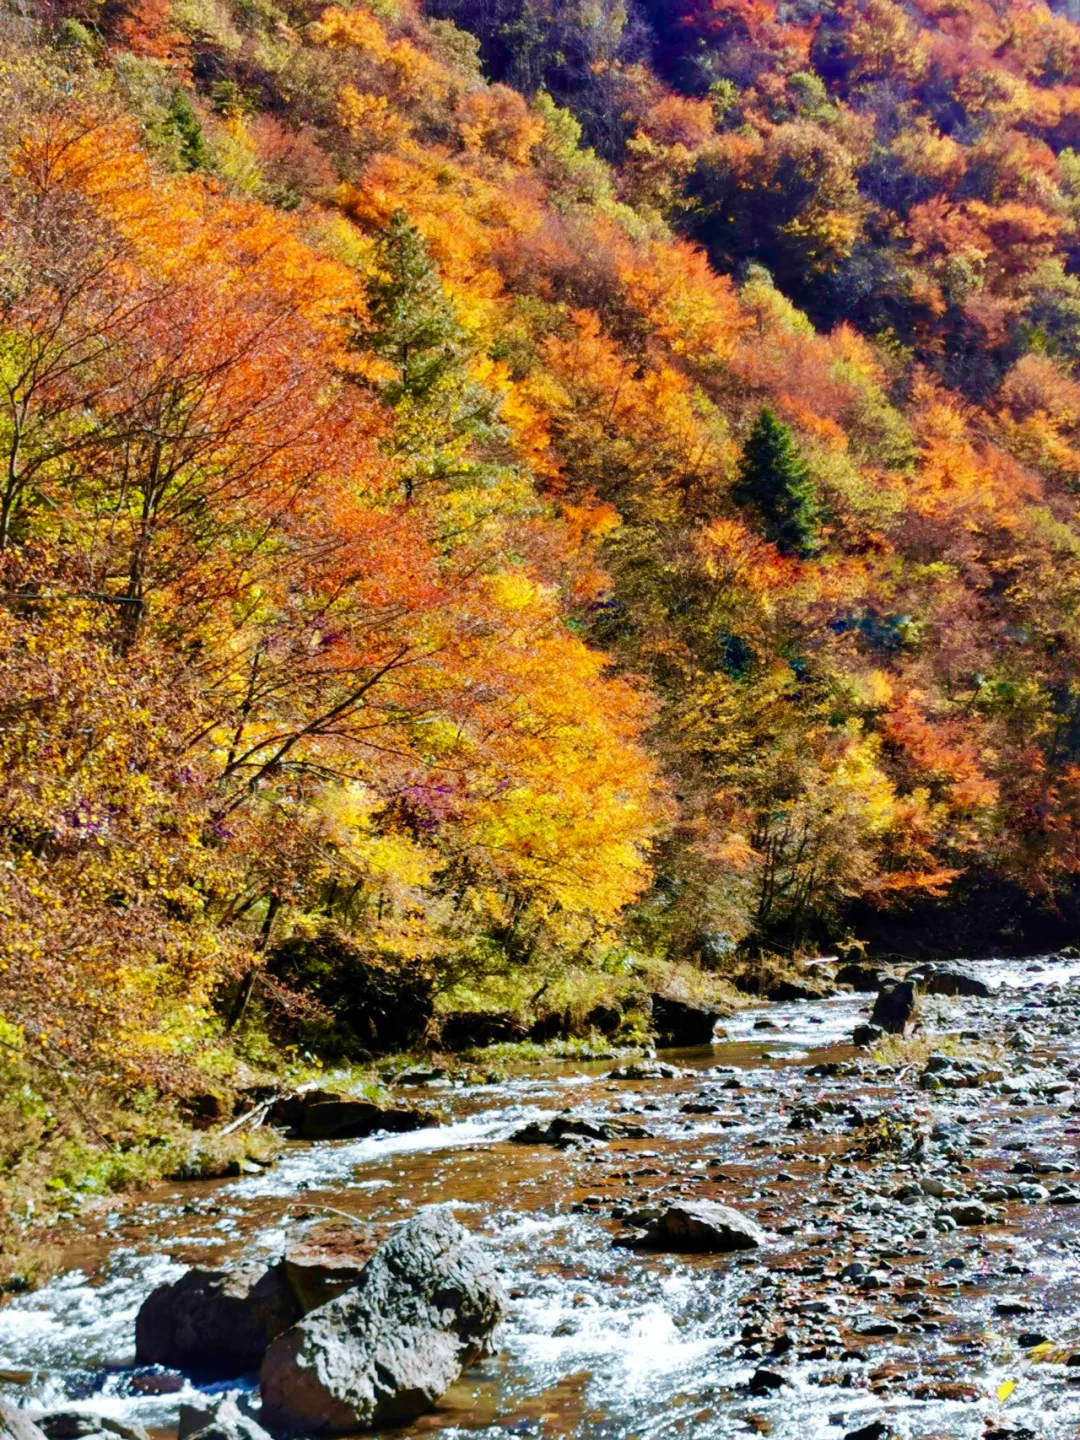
<point x="324" y="1115"/>
<point x="15" y="1424"/>
<point x="383" y="1352"/>
<point x="949" y="979"/>
<point x="683" y="1023"/>
<point x="702" y="1226"/>
<point x="864" y="978"/>
<point x="328" y="1258"/>
<point x="896" y="1007"/>
<point x="218" y="1323"/>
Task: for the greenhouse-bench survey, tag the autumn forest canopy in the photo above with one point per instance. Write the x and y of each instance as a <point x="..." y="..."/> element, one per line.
<point x="506" y="487"/>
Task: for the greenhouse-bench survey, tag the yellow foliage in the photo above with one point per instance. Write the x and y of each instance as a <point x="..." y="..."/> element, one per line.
<point x="371" y="119"/>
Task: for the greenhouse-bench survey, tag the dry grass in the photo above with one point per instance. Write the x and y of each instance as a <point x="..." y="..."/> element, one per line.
<point x="916" y="1049"/>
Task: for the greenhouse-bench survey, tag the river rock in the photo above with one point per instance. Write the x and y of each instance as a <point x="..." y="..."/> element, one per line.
<point x="702" y="1226"/>
<point x="876" y="1430"/>
<point x="218" y="1322"/>
<point x="864" y="978"/>
<point x="323" y="1115"/>
<point x="328" y="1259"/>
<point x="787" y="990"/>
<point x="681" y="1023"/>
<point x="762" y="1381"/>
<point x="565" y="1130"/>
<point x="867" y="1035"/>
<point x="220" y="1417"/>
<point x="948" y="979"/>
<point x="809" y="1114"/>
<point x="383" y="1352"/>
<point x="942" y="1072"/>
<point x="78" y="1425"/>
<point x="896" y="1007"/>
<point x="970" y="1212"/>
<point x="15" y="1424"/>
<point x="154" y="1380"/>
<point x="648" y="1070"/>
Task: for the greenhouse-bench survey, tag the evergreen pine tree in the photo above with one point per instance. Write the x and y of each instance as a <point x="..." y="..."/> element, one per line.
<point x="410" y="322"/>
<point x="775" y="480"/>
<point x="184" y="123"/>
<point x="441" y="414"/>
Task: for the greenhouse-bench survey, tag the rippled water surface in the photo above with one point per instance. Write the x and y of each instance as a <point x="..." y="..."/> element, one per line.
<point x="606" y="1341"/>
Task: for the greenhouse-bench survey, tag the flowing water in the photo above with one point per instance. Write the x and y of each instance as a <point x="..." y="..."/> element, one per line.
<point x="829" y="1150"/>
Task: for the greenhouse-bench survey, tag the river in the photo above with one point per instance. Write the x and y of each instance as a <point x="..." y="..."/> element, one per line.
<point x="851" y="1166"/>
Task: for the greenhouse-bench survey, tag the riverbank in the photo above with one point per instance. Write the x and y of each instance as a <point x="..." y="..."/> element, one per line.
<point x="66" y="1140"/>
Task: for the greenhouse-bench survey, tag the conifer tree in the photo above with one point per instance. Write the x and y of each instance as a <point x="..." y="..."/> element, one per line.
<point x="441" y="413"/>
<point x="410" y="321"/>
<point x="184" y="122"/>
<point x="775" y="480"/>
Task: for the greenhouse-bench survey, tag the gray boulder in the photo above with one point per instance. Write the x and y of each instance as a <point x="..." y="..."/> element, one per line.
<point x="702" y="1226"/>
<point x="896" y="1007"/>
<point x="949" y="979"/>
<point x="970" y="1212"/>
<point x="220" y="1417"/>
<point x="426" y="1304"/>
<point x="15" y="1424"/>
<point x="217" y="1322"/>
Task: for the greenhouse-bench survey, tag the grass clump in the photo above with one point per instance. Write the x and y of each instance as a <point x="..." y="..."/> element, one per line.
<point x="907" y="1050"/>
<point x="64" y="1145"/>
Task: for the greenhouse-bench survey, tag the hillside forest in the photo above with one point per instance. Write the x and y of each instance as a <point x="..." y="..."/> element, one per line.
<point x="505" y="498"/>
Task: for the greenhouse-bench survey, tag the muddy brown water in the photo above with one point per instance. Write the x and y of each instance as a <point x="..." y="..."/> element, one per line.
<point x="606" y="1341"/>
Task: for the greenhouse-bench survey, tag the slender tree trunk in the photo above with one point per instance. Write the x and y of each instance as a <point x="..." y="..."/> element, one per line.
<point x="247" y="984"/>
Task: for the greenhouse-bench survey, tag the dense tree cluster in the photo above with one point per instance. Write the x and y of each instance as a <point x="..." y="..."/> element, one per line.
<point x="411" y="536"/>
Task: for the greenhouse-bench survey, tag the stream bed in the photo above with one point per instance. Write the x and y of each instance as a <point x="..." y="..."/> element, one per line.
<point x="922" y="1276"/>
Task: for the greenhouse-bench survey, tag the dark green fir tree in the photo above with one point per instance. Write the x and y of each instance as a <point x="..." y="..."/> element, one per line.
<point x="444" y="420"/>
<point x="775" y="480"/>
